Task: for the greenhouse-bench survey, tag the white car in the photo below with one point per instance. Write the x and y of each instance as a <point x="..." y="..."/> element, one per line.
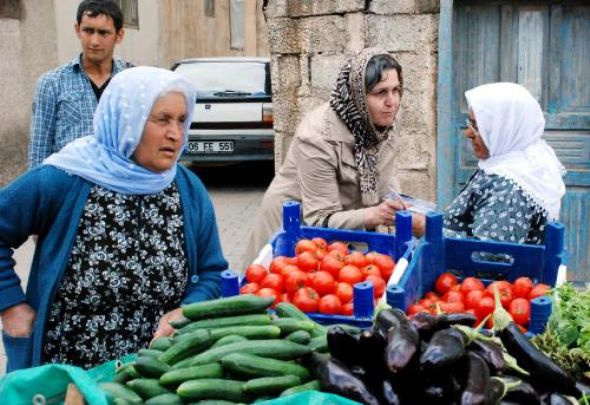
<point x="233" y="118"/>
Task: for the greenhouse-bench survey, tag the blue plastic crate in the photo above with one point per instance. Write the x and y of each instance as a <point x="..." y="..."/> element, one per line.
<point x="283" y="244"/>
<point x="436" y="254"/>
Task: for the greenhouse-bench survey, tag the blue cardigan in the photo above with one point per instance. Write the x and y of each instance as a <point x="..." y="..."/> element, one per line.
<point x="48" y="202"/>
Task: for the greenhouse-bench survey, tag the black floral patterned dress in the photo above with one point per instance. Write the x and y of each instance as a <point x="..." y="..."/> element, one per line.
<point x="491" y="207"/>
<point x="126" y="270"/>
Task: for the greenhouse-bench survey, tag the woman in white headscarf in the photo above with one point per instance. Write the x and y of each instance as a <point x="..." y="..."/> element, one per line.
<point x="125" y="234"/>
<point x="518" y="185"/>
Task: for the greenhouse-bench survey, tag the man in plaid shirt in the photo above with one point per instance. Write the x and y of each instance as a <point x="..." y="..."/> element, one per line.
<point x="65" y="98"/>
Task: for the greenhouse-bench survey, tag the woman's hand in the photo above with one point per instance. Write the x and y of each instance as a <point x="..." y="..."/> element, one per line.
<point x="382" y="214"/>
<point x="164" y="328"/>
<point x="17" y="321"/>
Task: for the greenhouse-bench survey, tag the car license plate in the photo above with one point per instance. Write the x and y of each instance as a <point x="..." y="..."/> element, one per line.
<point x="195" y="147"/>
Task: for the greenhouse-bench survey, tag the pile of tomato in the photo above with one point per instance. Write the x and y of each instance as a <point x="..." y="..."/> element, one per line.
<point x="320" y="278"/>
<point x="472" y="296"/>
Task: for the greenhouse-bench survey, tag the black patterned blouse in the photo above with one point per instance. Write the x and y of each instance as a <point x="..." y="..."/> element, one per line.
<point x="491" y="207"/>
<point x="126" y="270"/>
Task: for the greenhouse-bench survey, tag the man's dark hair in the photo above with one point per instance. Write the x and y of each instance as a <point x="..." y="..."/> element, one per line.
<point x="375" y="68"/>
<point x="93" y="8"/>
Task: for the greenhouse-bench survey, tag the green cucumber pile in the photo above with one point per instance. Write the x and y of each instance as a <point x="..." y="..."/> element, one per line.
<point x="229" y="350"/>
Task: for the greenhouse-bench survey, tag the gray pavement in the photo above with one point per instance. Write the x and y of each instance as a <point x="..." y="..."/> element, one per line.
<point x="236" y="192"/>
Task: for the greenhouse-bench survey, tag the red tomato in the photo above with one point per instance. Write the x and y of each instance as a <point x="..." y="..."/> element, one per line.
<point x="277" y="264"/>
<point x="320" y="254"/>
<point x="347" y="309"/>
<point x="520" y="309"/>
<point x="484" y="307"/>
<point x="470" y="284"/>
<point x="323" y="283"/>
<point x="350" y="274"/>
<point x="305" y="245"/>
<point x="274" y="281"/>
<point x="295" y="280"/>
<point x="472" y="299"/>
<point x="306" y="261"/>
<point x="356" y="258"/>
<point x="344" y="291"/>
<point x="371" y="269"/>
<point x="371" y="256"/>
<point x="340" y="246"/>
<point x="452" y="296"/>
<point x="269" y="292"/>
<point x="444" y="282"/>
<point x="378" y="285"/>
<point x="539" y="290"/>
<point x="288" y="269"/>
<point x="432" y="296"/>
<point x="330" y="304"/>
<point x="331" y="264"/>
<point x="385" y="264"/>
<point x="255" y="273"/>
<point x="522" y="287"/>
<point x="249" y="288"/>
<point x="505" y="290"/>
<point x="416" y="308"/>
<point x="428" y="305"/>
<point x="320" y="243"/>
<point x="451" y="307"/>
<point x="306" y="299"/>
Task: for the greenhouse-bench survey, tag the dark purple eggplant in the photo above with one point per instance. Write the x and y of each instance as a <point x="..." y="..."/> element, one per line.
<point x="343" y="345"/>
<point x="335" y="377"/>
<point x="402" y="344"/>
<point x="388" y="318"/>
<point x="557" y="399"/>
<point x="496" y="390"/>
<point x="388" y="394"/>
<point x="425" y="323"/>
<point x="442" y="389"/>
<point x="478" y="376"/>
<point x="520" y="391"/>
<point x="490" y="352"/>
<point x="372" y="344"/>
<point x="444" y="321"/>
<point x="446" y="348"/>
<point x="545" y="374"/>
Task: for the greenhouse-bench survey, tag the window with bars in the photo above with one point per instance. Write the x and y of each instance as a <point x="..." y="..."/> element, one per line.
<point x="11" y="9"/>
<point x="130" y="13"/>
<point x="210" y="8"/>
<point x="236" y="23"/>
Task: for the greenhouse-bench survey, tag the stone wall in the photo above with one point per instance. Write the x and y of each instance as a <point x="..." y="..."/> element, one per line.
<point x="309" y="41"/>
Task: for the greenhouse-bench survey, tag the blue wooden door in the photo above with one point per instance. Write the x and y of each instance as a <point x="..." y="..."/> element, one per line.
<point x="545" y="47"/>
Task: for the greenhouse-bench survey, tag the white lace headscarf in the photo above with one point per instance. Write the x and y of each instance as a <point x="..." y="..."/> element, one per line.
<point x="511" y="124"/>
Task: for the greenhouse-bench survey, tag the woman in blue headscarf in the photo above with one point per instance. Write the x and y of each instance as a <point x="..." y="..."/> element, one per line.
<point x="125" y="234"/>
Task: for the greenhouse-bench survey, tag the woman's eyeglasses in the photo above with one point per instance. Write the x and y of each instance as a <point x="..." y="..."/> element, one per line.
<point x="472" y="124"/>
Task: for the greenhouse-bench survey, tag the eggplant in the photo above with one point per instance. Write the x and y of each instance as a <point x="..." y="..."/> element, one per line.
<point x="343" y="345"/>
<point x="370" y="350"/>
<point x="388" y="394"/>
<point x="544" y="372"/>
<point x="496" y="391"/>
<point x="425" y="323"/>
<point x="389" y="318"/>
<point x="478" y="376"/>
<point x="490" y="352"/>
<point x="446" y="348"/>
<point x="444" y="321"/>
<point x="441" y="389"/>
<point x="557" y="399"/>
<point x="335" y="377"/>
<point x="402" y="345"/>
<point x="520" y="391"/>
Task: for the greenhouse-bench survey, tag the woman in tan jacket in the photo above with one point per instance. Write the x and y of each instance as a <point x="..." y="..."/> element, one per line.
<point x="340" y="163"/>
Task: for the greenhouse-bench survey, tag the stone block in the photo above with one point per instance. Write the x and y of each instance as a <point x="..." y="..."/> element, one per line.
<point x="285" y="112"/>
<point x="402" y="32"/>
<point x="276" y="8"/>
<point x="355" y="29"/>
<point x="326" y="34"/>
<point x="301" y="8"/>
<point x="306" y="104"/>
<point x="283" y="35"/>
<point x="324" y="70"/>
<point x="404" y="6"/>
<point x="285" y="73"/>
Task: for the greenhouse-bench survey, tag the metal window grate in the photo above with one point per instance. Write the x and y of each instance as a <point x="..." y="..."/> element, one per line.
<point x="130" y="11"/>
<point x="11" y="9"/>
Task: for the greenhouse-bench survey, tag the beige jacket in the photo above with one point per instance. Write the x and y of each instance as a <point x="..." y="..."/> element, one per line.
<point x="320" y="172"/>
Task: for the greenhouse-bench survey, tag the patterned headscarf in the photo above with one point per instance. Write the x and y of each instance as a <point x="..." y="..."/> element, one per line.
<point x="349" y="101"/>
<point x="105" y="158"/>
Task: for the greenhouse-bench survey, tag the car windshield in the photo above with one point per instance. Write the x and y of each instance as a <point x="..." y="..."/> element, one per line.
<point x="226" y="78"/>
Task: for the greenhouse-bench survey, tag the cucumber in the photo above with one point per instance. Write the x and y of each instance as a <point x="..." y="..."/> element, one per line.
<point x="288" y="310"/>
<point x="249" y="365"/>
<point x="299" y="336"/>
<point x="289" y="325"/>
<point x="229" y="339"/>
<point x="192" y="343"/>
<point x="274" y="348"/>
<point x="182" y="363"/>
<point x="149" y="352"/>
<point x="270" y="385"/>
<point x="313" y="385"/>
<point x="125" y="373"/>
<point x="236" y="305"/>
<point x="214" y="402"/>
<point x="115" y="390"/>
<point x="121" y="401"/>
<point x="162" y="343"/>
<point x="149" y="366"/>
<point x="251" y="319"/>
<point x="147" y="387"/>
<point x="213" y="388"/>
<point x="180" y="322"/>
<point x="319" y="344"/>
<point x="175" y="377"/>
<point x="164" y="399"/>
<point x="249" y="332"/>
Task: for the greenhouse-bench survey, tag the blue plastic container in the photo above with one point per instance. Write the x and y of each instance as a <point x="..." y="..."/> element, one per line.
<point x="436" y="254"/>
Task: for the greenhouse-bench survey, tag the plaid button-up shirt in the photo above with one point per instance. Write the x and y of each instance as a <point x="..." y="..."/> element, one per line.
<point x="63" y="107"/>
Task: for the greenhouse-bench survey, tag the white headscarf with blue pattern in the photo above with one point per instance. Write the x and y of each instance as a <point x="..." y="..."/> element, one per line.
<point x="105" y="158"/>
